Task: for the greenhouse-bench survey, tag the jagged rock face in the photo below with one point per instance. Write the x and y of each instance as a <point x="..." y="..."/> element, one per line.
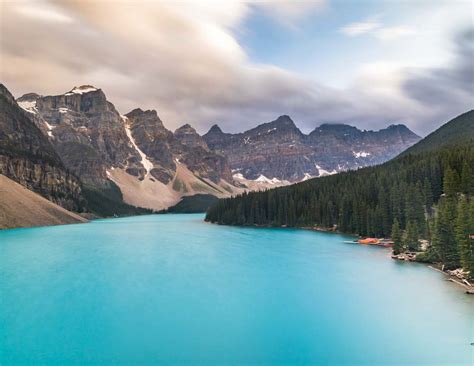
<point x="154" y="140"/>
<point x="274" y="149"/>
<point x="164" y="149"/>
<point x="27" y="157"/>
<point x="352" y="148"/>
<point x="279" y="150"/>
<point x="135" y="151"/>
<point x="192" y="150"/>
<point x="86" y="130"/>
<point x="188" y="136"/>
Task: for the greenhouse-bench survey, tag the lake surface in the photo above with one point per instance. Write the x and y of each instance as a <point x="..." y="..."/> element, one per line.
<point x="171" y="289"/>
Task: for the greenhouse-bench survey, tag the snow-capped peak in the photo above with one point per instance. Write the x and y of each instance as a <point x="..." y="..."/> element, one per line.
<point x="82" y="89"/>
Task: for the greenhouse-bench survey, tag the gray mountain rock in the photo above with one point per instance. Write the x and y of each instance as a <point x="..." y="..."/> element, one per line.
<point x="27" y="157"/>
<point x="86" y="130"/>
<point x="280" y="150"/>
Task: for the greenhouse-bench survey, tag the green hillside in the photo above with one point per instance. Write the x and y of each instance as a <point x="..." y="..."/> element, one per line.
<point x="109" y="202"/>
<point x="198" y="203"/>
<point x="457" y="131"/>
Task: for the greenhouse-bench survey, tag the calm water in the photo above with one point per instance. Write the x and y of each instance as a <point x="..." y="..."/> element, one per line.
<point x="172" y="289"/>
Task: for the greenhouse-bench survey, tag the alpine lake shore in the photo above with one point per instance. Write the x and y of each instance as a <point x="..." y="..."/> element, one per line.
<point x="456" y="276"/>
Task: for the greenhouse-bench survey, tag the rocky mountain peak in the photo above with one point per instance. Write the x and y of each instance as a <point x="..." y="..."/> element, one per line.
<point x="283" y="121"/>
<point x="215" y="129"/>
<point x="186" y="128"/>
<point x="281" y="128"/>
<point x="335" y="128"/>
<point x="401" y="128"/>
<point x="6" y="93"/>
<point x="140" y="112"/>
<point x="28" y="97"/>
<point x="188" y="136"/>
<point x="82" y="89"/>
<point x="148" y="118"/>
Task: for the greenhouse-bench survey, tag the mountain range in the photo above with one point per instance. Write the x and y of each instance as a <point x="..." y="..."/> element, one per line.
<point x="77" y="150"/>
<point x="278" y="150"/>
<point x="367" y="201"/>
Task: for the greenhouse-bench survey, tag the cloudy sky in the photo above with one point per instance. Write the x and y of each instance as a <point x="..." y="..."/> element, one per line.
<point x="369" y="63"/>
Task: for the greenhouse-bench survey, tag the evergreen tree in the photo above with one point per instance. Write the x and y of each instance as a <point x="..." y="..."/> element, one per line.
<point x="469" y="254"/>
<point x="451" y="183"/>
<point x="428" y="196"/>
<point x="462" y="232"/>
<point x="397" y="238"/>
<point x="411" y="237"/>
<point x="467" y="178"/>
<point x="446" y="245"/>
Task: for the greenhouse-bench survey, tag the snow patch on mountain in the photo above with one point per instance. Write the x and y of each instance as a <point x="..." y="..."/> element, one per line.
<point x="82" y="89"/>
<point x="147" y="164"/>
<point x="50" y="128"/>
<point x="306" y="177"/>
<point x="323" y="172"/>
<point x="264" y="179"/>
<point x="360" y="154"/>
<point x="28" y="105"/>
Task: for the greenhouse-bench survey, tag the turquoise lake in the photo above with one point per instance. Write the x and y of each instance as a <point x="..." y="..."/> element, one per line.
<point x="171" y="289"/>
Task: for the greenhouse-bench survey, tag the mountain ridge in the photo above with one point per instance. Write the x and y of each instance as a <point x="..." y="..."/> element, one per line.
<point x="294" y="156"/>
<point x="143" y="158"/>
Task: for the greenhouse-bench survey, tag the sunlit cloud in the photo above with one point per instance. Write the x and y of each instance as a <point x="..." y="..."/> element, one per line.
<point x="42" y="11"/>
<point x="185" y="60"/>
<point x="378" y="30"/>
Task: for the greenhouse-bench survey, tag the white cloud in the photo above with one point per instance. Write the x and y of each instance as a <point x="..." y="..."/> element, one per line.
<point x="392" y="33"/>
<point x="288" y="12"/>
<point x="378" y="30"/>
<point x="42" y="11"/>
<point x="183" y="59"/>
<point x="356" y="29"/>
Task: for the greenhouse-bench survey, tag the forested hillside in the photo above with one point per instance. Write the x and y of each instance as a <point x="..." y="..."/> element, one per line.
<point x="422" y="193"/>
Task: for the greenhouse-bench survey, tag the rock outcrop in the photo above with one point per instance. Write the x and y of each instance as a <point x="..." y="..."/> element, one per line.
<point x="27" y="157"/>
<point x="191" y="149"/>
<point x="152" y="166"/>
<point x="86" y="130"/>
<point x="20" y="207"/>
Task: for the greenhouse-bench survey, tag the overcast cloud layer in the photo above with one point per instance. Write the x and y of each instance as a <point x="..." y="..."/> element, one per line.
<point x="185" y="61"/>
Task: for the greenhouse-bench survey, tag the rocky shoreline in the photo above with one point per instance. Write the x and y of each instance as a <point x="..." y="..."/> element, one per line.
<point x="457" y="276"/>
